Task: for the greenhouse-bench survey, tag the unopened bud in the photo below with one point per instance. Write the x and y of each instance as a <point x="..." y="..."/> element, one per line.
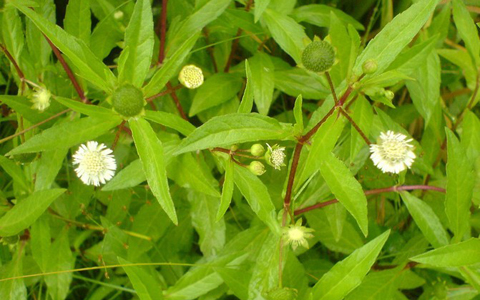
<point x="256" y="168"/>
<point x="389" y="94"/>
<point x="257" y="150"/>
<point x="318" y="56"/>
<point x="369" y="66"/>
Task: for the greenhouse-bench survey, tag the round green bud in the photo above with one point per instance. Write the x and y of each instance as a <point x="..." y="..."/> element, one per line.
<point x="318" y="56"/>
<point x="233" y="148"/>
<point x="282" y="294"/>
<point x="11" y="239"/>
<point x="128" y="100"/>
<point x="257" y="150"/>
<point x="257" y="168"/>
<point x="369" y="66"/>
<point x="389" y="94"/>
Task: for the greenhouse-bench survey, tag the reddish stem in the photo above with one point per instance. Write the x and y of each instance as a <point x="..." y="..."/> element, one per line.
<point x="177" y="101"/>
<point x="69" y="72"/>
<point x="163" y="31"/>
<point x="373" y="192"/>
<point x="117" y="135"/>
<point x="364" y="137"/>
<point x="332" y="88"/>
<point x="15" y="65"/>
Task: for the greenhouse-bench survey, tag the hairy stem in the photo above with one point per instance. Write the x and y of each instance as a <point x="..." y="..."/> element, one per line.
<point x="15" y="65"/>
<point x="332" y="88"/>
<point x="364" y="137"/>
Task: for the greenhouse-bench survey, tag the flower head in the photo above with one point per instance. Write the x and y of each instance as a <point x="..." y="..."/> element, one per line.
<point x="41" y="99"/>
<point x="393" y="153"/>
<point x="275" y="156"/>
<point x="191" y="76"/>
<point x="95" y="163"/>
<point x="297" y="235"/>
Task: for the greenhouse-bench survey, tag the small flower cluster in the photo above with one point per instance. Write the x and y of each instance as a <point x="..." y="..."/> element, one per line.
<point x="274" y="156"/>
<point x="296" y="235"/>
<point x="393" y="153"/>
<point x="96" y="164"/>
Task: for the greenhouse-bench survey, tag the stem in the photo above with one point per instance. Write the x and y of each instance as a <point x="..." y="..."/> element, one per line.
<point x="373" y="192"/>
<point x="168" y="91"/>
<point x="163" y="31"/>
<point x="69" y="72"/>
<point x="15" y="65"/>
<point x="312" y="131"/>
<point x="291" y="180"/>
<point x="332" y="88"/>
<point x="117" y="135"/>
<point x="218" y="149"/>
<point x="177" y="101"/>
<point x="365" y="138"/>
<point x="34" y="126"/>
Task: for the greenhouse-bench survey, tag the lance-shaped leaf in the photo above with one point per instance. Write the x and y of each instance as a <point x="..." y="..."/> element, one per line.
<point x="27" y="211"/>
<point x="232" y="129"/>
<point x="150" y="151"/>
<point x="247" y="98"/>
<point x="170" y="120"/>
<point x="349" y="273"/>
<point x="227" y="189"/>
<point x="456" y="255"/>
<point x="135" y="61"/>
<point x="67" y="134"/>
<point x="466" y="29"/>
<point x="88" y="65"/>
<point x="145" y="285"/>
<point x="263" y="80"/>
<point x="346" y="188"/>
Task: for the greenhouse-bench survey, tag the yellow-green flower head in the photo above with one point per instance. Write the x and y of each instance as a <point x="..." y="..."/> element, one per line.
<point x="297" y="235"/>
<point x="275" y="156"/>
<point x="393" y="153"/>
<point x="191" y="76"/>
<point x="318" y="56"/>
<point x="41" y="99"/>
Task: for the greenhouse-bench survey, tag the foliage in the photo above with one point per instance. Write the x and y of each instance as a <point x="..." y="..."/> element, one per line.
<point x="250" y="177"/>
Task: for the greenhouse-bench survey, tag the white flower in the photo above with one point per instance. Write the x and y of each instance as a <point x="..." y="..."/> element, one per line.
<point x="275" y="156"/>
<point x="191" y="76"/>
<point x="393" y="153"/>
<point x="41" y="99"/>
<point x="297" y="235"/>
<point x="95" y="162"/>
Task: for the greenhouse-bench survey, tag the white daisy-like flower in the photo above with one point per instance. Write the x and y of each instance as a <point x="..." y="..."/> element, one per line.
<point x="297" y="235"/>
<point x="191" y="76"/>
<point x="41" y="99"/>
<point x="275" y="156"/>
<point x="393" y="153"/>
<point x="96" y="164"/>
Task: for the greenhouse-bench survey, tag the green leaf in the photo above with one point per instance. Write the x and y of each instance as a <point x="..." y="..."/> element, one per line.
<point x="216" y="90"/>
<point x="14" y="171"/>
<point x="470" y="138"/>
<point x="298" y="113"/>
<point x="170" y="120"/>
<point x="256" y="193"/>
<point x="12" y="33"/>
<point x="323" y="143"/>
<point x="363" y="116"/>
<point x="77" y="19"/>
<point x="89" y="66"/>
<point x="60" y="259"/>
<point x="346" y="188"/>
<point x="262" y="75"/>
<point x="467" y="29"/>
<point x="131" y="176"/>
<point x="145" y="285"/>
<point x="260" y="6"/>
<point x="319" y="15"/>
<point x="460" y="182"/>
<point x="247" y="99"/>
<point x="211" y="232"/>
<point x="349" y="273"/>
<point x="150" y="151"/>
<point x="227" y="189"/>
<point x="456" y="255"/>
<point x="296" y="81"/>
<point x="15" y="288"/>
<point x="41" y="242"/>
<point x="86" y="109"/>
<point x="426" y="220"/>
<point x="135" y="60"/>
<point x="385" y="47"/>
<point x="231" y="129"/>
<point x="27" y="211"/>
<point x="67" y="135"/>
<point x="169" y="67"/>
<point x="193" y="24"/>
<point x="287" y="33"/>
<point x="48" y="168"/>
<point x="23" y="106"/>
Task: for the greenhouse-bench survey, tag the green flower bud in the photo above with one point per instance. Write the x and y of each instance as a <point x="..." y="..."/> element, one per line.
<point x="234" y="148"/>
<point x="128" y="101"/>
<point x="319" y="56"/>
<point x="256" y="168"/>
<point x="369" y="66"/>
<point x="389" y="94"/>
<point x="282" y="294"/>
<point x="257" y="150"/>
